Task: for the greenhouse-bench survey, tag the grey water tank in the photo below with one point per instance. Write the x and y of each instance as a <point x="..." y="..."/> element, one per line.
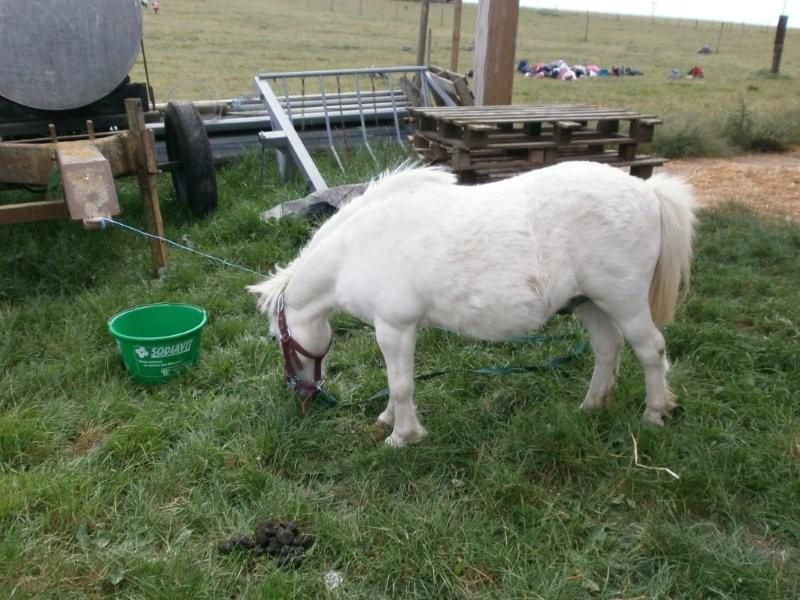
<point x="64" y="54"/>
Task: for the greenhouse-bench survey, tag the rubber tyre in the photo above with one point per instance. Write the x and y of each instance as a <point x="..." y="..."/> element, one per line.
<point x="187" y="144"/>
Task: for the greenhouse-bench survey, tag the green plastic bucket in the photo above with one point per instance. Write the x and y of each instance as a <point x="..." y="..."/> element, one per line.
<point x="158" y="340"/>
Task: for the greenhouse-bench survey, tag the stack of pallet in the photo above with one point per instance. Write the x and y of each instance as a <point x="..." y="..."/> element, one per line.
<point x="481" y="143"/>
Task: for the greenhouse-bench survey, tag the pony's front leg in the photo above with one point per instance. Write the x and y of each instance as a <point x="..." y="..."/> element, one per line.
<point x="397" y="345"/>
<point x="387" y="416"/>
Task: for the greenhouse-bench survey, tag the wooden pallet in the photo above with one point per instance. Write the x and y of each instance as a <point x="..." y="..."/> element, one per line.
<point x="486" y="142"/>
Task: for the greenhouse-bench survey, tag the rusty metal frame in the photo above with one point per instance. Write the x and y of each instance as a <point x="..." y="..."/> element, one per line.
<point x="132" y="152"/>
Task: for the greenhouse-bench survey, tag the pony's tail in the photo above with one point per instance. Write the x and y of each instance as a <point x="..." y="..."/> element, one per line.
<point x="677" y="204"/>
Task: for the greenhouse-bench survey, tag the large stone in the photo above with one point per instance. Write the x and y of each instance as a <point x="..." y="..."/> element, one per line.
<point x="323" y="203"/>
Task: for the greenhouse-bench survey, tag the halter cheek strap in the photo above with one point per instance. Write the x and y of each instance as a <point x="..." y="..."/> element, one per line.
<point x="292" y="365"/>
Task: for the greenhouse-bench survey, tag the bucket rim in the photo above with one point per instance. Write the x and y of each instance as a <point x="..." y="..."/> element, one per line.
<point x="140" y="338"/>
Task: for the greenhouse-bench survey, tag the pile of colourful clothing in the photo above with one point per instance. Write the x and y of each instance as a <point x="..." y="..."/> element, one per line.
<point x="566" y="72"/>
<point x="696" y="72"/>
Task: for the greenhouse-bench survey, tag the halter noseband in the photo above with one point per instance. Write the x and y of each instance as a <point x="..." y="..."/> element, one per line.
<point x="292" y="364"/>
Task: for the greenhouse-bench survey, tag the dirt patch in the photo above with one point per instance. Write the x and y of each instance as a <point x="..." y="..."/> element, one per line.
<point x="766" y="183"/>
<point x="86" y="441"/>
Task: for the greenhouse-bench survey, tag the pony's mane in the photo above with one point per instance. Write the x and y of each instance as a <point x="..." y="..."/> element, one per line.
<point x="269" y="293"/>
<point x="407" y="174"/>
<point x="405" y="179"/>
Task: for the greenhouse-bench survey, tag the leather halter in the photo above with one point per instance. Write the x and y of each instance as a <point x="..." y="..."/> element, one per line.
<point x="292" y="365"/>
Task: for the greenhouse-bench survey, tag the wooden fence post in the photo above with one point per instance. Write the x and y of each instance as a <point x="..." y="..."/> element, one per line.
<point x="780" y="37"/>
<point x="586" y="33"/>
<point x="456" y="36"/>
<point x="423" y="31"/>
<point x="495" y="43"/>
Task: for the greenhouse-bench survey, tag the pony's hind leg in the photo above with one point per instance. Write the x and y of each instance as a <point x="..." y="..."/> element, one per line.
<point x="648" y="344"/>
<point x="397" y="346"/>
<point x="607" y="343"/>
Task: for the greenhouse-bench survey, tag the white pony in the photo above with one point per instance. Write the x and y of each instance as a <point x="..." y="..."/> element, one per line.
<point x="491" y="261"/>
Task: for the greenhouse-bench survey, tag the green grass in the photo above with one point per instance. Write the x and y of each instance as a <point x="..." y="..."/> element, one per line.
<point x="200" y="49"/>
<point x="112" y="488"/>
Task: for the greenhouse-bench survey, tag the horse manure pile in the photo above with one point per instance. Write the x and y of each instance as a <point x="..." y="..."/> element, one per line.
<point x="279" y="540"/>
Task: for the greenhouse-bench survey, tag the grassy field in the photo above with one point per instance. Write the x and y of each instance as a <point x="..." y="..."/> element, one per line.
<point x="109" y="488"/>
<point x="204" y="49"/>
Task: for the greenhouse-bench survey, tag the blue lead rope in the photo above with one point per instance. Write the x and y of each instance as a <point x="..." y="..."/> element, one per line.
<point x="105" y="220"/>
<point x="554" y="363"/>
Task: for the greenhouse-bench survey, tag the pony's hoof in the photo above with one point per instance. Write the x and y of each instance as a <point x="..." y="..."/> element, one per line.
<point x="591" y="403"/>
<point x="397" y="441"/>
<point x="653" y="417"/>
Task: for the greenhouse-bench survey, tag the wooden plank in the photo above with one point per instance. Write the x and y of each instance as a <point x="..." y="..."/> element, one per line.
<point x="506" y="106"/>
<point x="518" y="140"/>
<point x="143" y="147"/>
<point x="410" y="91"/>
<point x="437" y="83"/>
<point x="482" y="171"/>
<point x="25" y="163"/>
<point x="32" y="211"/>
<point x="494" y="120"/>
<point x="495" y="45"/>
<point x="443" y="82"/>
<point x="642" y="171"/>
<point x="87" y="180"/>
<point x="463" y="112"/>
<point x="476" y="138"/>
<point x="643" y="129"/>
<point x="464" y="93"/>
<point x="627" y="153"/>
<point x="444" y="111"/>
<point x="543" y="115"/>
<point x="475" y="126"/>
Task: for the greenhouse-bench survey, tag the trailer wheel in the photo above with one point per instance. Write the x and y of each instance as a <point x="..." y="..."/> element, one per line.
<point x="187" y="144"/>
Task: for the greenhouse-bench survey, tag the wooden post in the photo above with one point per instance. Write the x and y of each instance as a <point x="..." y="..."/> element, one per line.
<point x="423" y="31"/>
<point x="780" y="37"/>
<point x="144" y="151"/>
<point x="586" y="33"/>
<point x="719" y="37"/>
<point x="429" y="44"/>
<point x="495" y="43"/>
<point x="456" y="36"/>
